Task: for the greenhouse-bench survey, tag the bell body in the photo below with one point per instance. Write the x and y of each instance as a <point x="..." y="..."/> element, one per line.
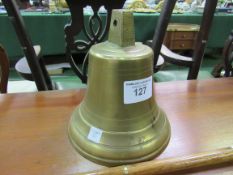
<point x="118" y="122"/>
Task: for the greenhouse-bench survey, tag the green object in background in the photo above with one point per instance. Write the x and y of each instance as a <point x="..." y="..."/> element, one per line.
<point x="47" y="30"/>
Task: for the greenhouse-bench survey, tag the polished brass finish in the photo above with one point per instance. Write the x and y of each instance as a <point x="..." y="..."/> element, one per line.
<point x="121" y="32"/>
<point x="107" y="127"/>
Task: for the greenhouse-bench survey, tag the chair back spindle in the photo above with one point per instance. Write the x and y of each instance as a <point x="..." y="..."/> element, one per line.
<point x="4" y="70"/>
<point x="34" y="60"/>
<point x="194" y="62"/>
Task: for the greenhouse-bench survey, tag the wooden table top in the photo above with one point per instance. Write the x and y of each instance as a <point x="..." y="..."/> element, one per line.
<point x="33" y="126"/>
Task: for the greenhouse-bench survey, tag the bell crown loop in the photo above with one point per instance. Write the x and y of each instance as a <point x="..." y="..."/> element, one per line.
<point x="122" y="28"/>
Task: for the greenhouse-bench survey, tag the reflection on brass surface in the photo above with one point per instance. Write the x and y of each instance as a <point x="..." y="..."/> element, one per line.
<point x="118" y="121"/>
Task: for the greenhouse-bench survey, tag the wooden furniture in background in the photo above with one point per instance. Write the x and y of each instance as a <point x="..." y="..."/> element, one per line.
<point x="193" y="62"/>
<point x="4" y="70"/>
<point x="31" y="67"/>
<point x="95" y="31"/>
<point x="181" y="36"/>
<point x="34" y="136"/>
<point x="224" y="68"/>
<point x="228" y="55"/>
<point x="53" y="29"/>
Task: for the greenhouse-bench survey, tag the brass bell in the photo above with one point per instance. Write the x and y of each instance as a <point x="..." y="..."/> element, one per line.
<point x="118" y="122"/>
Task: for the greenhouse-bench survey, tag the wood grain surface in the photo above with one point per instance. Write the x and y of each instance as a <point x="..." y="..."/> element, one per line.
<point x="33" y="127"/>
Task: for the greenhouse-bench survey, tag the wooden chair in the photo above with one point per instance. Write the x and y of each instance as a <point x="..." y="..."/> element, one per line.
<point x="4" y="70"/>
<point x="93" y="34"/>
<point x="228" y="56"/>
<point x="31" y="67"/>
<point x="224" y="68"/>
<point x="194" y="62"/>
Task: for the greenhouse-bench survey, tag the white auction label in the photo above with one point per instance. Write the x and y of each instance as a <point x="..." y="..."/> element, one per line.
<point x="95" y="134"/>
<point x="137" y="90"/>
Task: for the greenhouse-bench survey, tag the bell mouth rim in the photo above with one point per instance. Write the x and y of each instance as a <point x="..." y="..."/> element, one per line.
<point x="159" y="148"/>
<point x="112" y="162"/>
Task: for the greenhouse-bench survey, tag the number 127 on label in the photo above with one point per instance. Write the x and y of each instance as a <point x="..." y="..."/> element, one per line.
<point x="140" y="91"/>
<point x="137" y="90"/>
